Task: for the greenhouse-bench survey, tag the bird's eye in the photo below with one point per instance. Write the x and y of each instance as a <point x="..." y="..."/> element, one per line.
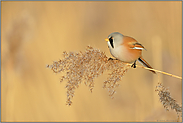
<point x="111" y="42"/>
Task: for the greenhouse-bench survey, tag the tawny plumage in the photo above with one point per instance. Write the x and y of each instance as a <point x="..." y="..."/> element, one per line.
<point x="126" y="49"/>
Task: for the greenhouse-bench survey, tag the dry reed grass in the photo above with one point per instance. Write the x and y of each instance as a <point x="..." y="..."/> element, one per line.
<point x="167" y="101"/>
<point x="86" y="66"/>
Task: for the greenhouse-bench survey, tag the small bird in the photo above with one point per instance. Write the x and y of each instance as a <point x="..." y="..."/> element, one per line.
<point x="126" y="49"/>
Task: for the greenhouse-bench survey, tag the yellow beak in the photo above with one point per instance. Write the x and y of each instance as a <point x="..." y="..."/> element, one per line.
<point x="106" y="39"/>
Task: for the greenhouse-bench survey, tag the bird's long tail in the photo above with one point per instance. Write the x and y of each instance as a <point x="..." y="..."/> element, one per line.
<point x="144" y="63"/>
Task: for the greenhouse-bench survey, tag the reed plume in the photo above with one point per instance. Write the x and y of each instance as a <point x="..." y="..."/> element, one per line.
<point x="86" y="66"/>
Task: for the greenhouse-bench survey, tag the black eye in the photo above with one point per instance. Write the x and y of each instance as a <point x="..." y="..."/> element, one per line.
<point x="111" y="42"/>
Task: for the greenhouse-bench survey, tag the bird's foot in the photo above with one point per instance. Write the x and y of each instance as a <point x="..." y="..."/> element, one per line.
<point x="134" y="65"/>
<point x="112" y="59"/>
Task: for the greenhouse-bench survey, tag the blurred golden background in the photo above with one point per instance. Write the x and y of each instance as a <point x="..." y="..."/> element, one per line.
<point x="36" y="33"/>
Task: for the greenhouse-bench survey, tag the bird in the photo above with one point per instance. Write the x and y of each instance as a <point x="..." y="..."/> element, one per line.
<point x="126" y="49"/>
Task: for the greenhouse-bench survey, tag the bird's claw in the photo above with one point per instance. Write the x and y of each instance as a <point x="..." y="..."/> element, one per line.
<point x="110" y="59"/>
<point x="134" y="65"/>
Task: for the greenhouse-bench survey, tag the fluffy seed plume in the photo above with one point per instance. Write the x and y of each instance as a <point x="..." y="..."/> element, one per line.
<point x="166" y="99"/>
<point x="85" y="67"/>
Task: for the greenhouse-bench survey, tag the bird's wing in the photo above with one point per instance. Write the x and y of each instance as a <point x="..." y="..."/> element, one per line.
<point x="137" y="45"/>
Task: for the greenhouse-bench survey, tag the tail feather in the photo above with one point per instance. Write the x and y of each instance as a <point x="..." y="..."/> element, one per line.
<point x="144" y="63"/>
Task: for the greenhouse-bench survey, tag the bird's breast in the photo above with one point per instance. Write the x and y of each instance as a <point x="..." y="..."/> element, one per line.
<point x="125" y="54"/>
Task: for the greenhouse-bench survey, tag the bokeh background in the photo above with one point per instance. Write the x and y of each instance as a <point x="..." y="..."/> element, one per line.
<point x="35" y="34"/>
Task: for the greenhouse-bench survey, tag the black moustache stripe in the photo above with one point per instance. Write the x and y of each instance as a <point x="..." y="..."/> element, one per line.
<point x="111" y="42"/>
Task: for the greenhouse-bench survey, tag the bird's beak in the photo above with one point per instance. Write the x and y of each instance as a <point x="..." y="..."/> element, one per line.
<point x="106" y="39"/>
